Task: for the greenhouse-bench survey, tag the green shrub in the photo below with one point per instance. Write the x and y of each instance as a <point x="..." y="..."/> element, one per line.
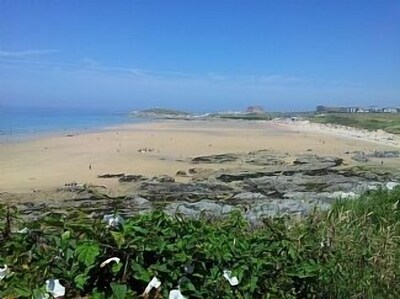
<point x="351" y="251"/>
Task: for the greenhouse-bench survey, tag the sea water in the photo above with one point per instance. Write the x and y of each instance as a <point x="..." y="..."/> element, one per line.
<point x="26" y="122"/>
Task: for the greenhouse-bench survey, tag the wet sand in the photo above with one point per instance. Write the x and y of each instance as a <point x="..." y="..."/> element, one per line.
<point x="48" y="162"/>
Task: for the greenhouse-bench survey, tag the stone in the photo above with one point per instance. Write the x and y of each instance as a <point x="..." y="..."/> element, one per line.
<point x="386" y="154"/>
<point x="181" y="173"/>
<point x="164" y="179"/>
<point x="212" y="159"/>
<point x="204" y="208"/>
<point x="360" y="158"/>
<point x="131" y="178"/>
<point x="110" y="175"/>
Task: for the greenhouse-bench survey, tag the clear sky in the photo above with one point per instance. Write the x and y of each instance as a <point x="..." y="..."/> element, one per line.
<point x="199" y="55"/>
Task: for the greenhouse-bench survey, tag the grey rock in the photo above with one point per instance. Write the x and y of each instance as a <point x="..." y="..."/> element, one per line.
<point x="181" y="173"/>
<point x="246" y="198"/>
<point x="191" y="192"/>
<point x="386" y="154"/>
<point x="205" y="208"/>
<point x="315" y="160"/>
<point x="360" y="158"/>
<point x="263" y="158"/>
<point x="131" y="178"/>
<point x="164" y="179"/>
<point x="212" y="159"/>
<point x="110" y="175"/>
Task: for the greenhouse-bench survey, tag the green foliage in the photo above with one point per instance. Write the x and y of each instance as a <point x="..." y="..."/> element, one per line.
<point x="389" y="122"/>
<point x="351" y="251"/>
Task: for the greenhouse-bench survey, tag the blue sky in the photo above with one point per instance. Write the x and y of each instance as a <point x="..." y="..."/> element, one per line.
<point x="199" y="55"/>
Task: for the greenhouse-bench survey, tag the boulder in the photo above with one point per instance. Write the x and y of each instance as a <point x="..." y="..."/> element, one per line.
<point x="181" y="173"/>
<point x="190" y="192"/>
<point x="215" y="159"/>
<point x="131" y="178"/>
<point x="386" y="154"/>
<point x="110" y="175"/>
<point x="360" y="158"/>
<point x="164" y="179"/>
<point x="206" y="208"/>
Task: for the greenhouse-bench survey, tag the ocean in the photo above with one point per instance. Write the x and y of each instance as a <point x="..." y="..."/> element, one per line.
<point x="26" y="122"/>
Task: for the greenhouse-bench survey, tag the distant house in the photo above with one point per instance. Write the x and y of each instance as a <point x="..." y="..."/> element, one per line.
<point x="255" y="109"/>
<point x="374" y="109"/>
<point x="390" y="110"/>
<point x="330" y="109"/>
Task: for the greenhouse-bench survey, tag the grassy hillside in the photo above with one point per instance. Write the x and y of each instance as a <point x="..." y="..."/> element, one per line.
<point x="351" y="251"/>
<point x="389" y="122"/>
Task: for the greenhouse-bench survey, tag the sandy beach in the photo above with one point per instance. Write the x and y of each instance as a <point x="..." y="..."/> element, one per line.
<point x="48" y="162"/>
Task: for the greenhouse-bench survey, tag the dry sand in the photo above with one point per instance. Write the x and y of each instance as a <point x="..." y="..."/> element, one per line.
<point x="49" y="162"/>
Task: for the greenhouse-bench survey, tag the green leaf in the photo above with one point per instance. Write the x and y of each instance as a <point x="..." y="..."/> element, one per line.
<point x="80" y="280"/>
<point x="23" y="291"/>
<point x="118" y="238"/>
<point x="119" y="290"/>
<point x="140" y="230"/>
<point x="66" y="235"/>
<point x="87" y="253"/>
<point x="38" y="294"/>
<point x="116" y="267"/>
<point x="139" y="272"/>
<point x="97" y="295"/>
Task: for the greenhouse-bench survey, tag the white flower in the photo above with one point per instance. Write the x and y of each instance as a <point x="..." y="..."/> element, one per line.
<point x="54" y="287"/>
<point x="176" y="294"/>
<point x="232" y="280"/>
<point x="113" y="259"/>
<point x="25" y="230"/>
<point x="392" y="185"/>
<point x="3" y="272"/>
<point x="155" y="283"/>
<point x="113" y="220"/>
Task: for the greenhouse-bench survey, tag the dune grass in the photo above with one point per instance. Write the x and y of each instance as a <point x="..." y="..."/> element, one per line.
<point x="389" y="122"/>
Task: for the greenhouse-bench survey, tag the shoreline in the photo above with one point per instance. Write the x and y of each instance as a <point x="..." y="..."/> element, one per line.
<point x="49" y="162"/>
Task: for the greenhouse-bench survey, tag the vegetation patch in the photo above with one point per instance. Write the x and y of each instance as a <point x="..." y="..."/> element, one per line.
<point x="350" y="251"/>
<point x="389" y="122"/>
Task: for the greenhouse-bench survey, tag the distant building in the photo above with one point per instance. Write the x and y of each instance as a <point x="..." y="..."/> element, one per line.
<point x="390" y="110"/>
<point x="374" y="109"/>
<point x="255" y="109"/>
<point x="337" y="109"/>
<point x="371" y="109"/>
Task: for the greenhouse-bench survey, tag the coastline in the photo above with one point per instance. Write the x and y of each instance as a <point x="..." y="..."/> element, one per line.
<point x="51" y="161"/>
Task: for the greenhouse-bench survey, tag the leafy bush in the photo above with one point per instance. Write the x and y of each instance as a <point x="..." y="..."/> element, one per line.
<point x="351" y="251"/>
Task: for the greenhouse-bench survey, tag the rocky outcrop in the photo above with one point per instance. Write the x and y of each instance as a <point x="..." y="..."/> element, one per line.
<point x="386" y="154"/>
<point x="272" y="187"/>
<point x="215" y="159"/>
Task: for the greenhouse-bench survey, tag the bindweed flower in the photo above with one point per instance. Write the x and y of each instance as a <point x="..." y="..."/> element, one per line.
<point x="3" y="272"/>
<point x="155" y="283"/>
<point x="25" y="230"/>
<point x="113" y="220"/>
<point x="113" y="259"/>
<point x="232" y="280"/>
<point x="176" y="294"/>
<point x="54" y="287"/>
<point x="392" y="185"/>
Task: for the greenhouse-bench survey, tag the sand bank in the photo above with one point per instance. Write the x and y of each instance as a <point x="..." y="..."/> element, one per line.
<point x="50" y="162"/>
